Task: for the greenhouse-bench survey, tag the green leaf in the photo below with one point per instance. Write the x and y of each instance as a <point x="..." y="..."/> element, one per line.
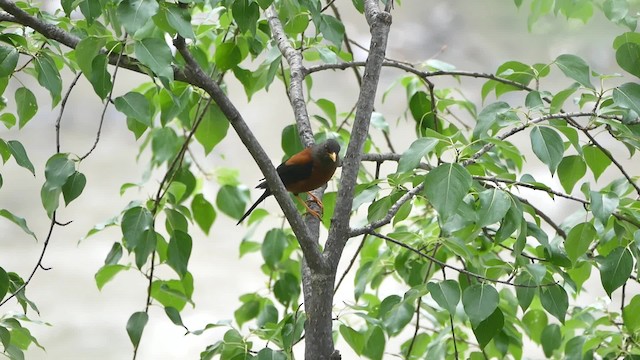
<point x="227" y="56"/>
<point x="290" y="142"/>
<point x="558" y="100"/>
<point x="332" y="29"/>
<point x="135" y="106"/>
<point x="145" y="247"/>
<point x="575" y="68"/>
<point x="86" y="51"/>
<point x="135" y="222"/>
<point x="27" y="106"/>
<point x="203" y="212"/>
<point x="446" y="293"/>
<point x="489" y="116"/>
<point x="246" y="14"/>
<point x="287" y="289"/>
<point x="164" y="144"/>
<point x="91" y="10"/>
<point x="297" y="24"/>
<point x="554" y="299"/>
<point x="410" y="159"/>
<point x="571" y="169"/>
<point x="4" y="284"/>
<point x="494" y="204"/>
<point x="179" y="251"/>
<point x="135" y="326"/>
<point x="269" y="354"/>
<point x="489" y="328"/>
<point x="18" y="221"/>
<point x="73" y="187"/>
<point x="446" y="186"/>
<point x="273" y="247"/>
<point x="479" y="301"/>
<point x="534" y="322"/>
<point x="180" y="20"/>
<point x="50" y="197"/>
<point x="18" y="152"/>
<point x="628" y="57"/>
<point x="134" y="14"/>
<point x="628" y="96"/>
<point x="551" y="339"/>
<point x="422" y="112"/>
<point x="174" y="315"/>
<point x="8" y="119"/>
<point x="398" y="317"/>
<point x="8" y="60"/>
<point x="156" y="54"/>
<point x="106" y="273"/>
<point x="579" y="239"/>
<point x="615" y="269"/>
<point x="603" y="205"/>
<point x="596" y="159"/>
<point x="374" y="349"/>
<point x="212" y="129"/>
<point x="49" y="76"/>
<point x="231" y="200"/>
<point x="548" y="146"/>
<point x="114" y="255"/>
<point x="631" y="314"/>
<point x="169" y="293"/>
<point x="354" y="338"/>
<point x="58" y="169"/>
<point x="526" y="292"/>
<point x="100" y="77"/>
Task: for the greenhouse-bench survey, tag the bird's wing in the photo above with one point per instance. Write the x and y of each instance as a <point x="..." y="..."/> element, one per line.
<point x="296" y="168"/>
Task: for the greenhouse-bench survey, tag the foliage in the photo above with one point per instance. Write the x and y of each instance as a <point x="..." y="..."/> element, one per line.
<point x="484" y="271"/>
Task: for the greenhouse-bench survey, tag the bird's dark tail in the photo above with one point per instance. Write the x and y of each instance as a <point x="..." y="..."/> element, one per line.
<point x="264" y="195"/>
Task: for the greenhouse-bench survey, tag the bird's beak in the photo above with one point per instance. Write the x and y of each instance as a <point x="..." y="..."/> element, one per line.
<point x="333" y="156"/>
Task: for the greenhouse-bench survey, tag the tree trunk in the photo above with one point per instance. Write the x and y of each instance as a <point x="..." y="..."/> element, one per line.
<point x="318" y="305"/>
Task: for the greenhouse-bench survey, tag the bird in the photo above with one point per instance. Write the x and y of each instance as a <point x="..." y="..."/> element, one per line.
<point x="307" y="170"/>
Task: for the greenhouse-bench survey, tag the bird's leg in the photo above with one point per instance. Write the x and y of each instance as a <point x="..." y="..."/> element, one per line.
<point x="315" y="199"/>
<point x="309" y="210"/>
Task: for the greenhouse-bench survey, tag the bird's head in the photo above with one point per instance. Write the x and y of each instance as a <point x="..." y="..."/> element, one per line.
<point x="327" y="152"/>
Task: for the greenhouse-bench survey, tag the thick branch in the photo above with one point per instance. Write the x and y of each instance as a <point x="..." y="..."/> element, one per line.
<point x="294" y="59"/>
<point x="200" y="79"/>
<point x="380" y="23"/>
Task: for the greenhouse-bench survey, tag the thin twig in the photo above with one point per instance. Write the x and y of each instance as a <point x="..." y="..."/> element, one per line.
<point x="63" y="106"/>
<point x="604" y="150"/>
<point x="445" y="265"/>
<point x="38" y="264"/>
<point x="393" y="210"/>
<point x="106" y="104"/>
<point x="351" y="262"/>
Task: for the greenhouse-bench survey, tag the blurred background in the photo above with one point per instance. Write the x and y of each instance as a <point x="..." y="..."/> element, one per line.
<point x="85" y="323"/>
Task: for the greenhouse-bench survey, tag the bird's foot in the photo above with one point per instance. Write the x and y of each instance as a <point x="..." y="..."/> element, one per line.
<point x="310" y="210"/>
<point x="315" y="199"/>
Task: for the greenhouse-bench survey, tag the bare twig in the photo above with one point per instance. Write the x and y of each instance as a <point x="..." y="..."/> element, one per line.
<point x="63" y="106"/>
<point x="351" y="262"/>
<point x="38" y="264"/>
